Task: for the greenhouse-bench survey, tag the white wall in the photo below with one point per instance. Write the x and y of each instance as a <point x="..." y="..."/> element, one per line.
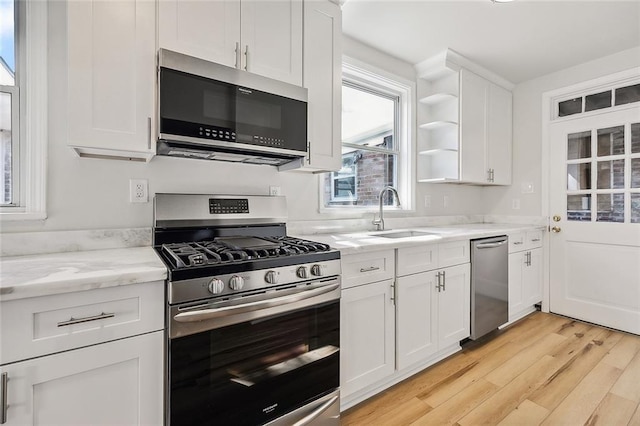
<point x="527" y="131"/>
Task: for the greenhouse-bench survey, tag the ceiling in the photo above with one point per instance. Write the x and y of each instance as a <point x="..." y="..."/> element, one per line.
<point x="519" y="41"/>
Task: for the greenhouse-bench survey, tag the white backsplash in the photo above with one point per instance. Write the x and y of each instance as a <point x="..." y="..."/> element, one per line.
<point x="27" y="243"/>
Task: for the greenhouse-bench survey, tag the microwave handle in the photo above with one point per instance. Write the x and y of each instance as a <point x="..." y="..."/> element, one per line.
<point x="309" y="152"/>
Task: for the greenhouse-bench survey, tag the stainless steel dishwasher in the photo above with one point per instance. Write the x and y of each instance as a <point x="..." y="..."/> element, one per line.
<point x="489" y="285"/>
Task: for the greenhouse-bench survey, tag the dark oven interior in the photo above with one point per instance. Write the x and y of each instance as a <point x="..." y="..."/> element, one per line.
<point x="253" y="372"/>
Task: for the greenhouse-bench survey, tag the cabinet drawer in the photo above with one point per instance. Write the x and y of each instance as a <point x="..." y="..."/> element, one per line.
<point x="517" y="242"/>
<point x="453" y="253"/>
<point x="412" y="260"/>
<point x="44" y="325"/>
<point x="534" y="239"/>
<point x="365" y="268"/>
<point x="525" y="240"/>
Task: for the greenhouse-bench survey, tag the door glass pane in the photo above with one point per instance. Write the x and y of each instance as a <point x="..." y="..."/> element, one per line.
<point x="611" y="141"/>
<point x="635" y="173"/>
<point x="635" y="138"/>
<point x="579" y="207"/>
<point x="628" y="94"/>
<point x="597" y="101"/>
<point x="611" y="174"/>
<point x="635" y="208"/>
<point x="579" y="145"/>
<point x="570" y="107"/>
<point x="610" y="208"/>
<point x="578" y="176"/>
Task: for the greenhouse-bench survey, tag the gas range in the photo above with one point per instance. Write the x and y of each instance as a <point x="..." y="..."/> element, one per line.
<point x="228" y="246"/>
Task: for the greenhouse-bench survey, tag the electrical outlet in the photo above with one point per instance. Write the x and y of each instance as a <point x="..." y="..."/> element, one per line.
<point x="275" y="190"/>
<point x="515" y="204"/>
<point x="138" y="190"/>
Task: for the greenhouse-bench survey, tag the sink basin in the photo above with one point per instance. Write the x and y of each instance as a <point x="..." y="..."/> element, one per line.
<point x="404" y="234"/>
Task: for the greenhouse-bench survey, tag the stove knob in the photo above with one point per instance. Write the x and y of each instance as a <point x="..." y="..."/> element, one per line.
<point x="271" y="277"/>
<point x="216" y="286"/>
<point x="236" y="283"/>
<point x="316" y="270"/>
<point x="302" y="272"/>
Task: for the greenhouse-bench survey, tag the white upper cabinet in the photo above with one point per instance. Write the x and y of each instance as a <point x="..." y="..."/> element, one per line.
<point x="111" y="78"/>
<point x="323" y="78"/>
<point x="485" y="133"/>
<point x="464" y="121"/>
<point x="262" y="37"/>
<point x="204" y="29"/>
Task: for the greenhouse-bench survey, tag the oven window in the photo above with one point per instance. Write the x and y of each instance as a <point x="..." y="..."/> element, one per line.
<point x="253" y="372"/>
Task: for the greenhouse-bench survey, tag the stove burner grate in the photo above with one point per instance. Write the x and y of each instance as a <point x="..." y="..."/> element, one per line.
<point x="222" y="251"/>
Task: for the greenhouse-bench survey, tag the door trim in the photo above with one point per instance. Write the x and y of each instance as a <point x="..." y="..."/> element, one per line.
<point x="548" y="101"/>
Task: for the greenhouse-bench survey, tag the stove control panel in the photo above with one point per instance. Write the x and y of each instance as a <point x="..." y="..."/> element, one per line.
<point x="228" y="205"/>
<point x="249" y="281"/>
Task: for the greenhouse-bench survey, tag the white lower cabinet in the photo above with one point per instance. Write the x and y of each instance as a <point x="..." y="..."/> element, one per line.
<point x="433" y="312"/>
<point x="367" y="325"/>
<point x="394" y="325"/>
<point x="92" y="357"/>
<point x="115" y="383"/>
<point x="525" y="273"/>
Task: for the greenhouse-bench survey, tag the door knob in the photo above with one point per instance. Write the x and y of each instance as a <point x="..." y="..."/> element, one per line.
<point x="556" y="229"/>
<point x="556" y="218"/>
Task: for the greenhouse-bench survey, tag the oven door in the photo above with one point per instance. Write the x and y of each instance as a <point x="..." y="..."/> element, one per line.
<point x="250" y="363"/>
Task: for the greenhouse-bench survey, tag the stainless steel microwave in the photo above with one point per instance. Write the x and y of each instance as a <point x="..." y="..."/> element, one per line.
<point x="214" y="112"/>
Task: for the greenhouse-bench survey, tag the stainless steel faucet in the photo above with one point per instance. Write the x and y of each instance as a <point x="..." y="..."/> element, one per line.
<point x="379" y="223"/>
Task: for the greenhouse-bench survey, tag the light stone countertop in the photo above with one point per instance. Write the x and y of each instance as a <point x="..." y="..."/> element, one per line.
<point x="46" y="274"/>
<point x="363" y="241"/>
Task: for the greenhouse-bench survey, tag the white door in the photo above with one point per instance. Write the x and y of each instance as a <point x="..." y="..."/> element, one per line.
<point x="206" y="29"/>
<point x="416" y="333"/>
<point x="271" y="34"/>
<point x="454" y="305"/>
<point x="595" y="206"/>
<point x="367" y="338"/>
<point x="115" y="383"/>
<point x="111" y="56"/>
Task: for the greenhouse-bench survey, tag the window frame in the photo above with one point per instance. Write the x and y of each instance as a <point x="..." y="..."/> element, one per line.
<point x="379" y="81"/>
<point x="31" y="81"/>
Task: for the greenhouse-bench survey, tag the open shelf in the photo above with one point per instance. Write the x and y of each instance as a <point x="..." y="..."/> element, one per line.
<point x="436" y="151"/>
<point x="437" y="124"/>
<point x="437" y="98"/>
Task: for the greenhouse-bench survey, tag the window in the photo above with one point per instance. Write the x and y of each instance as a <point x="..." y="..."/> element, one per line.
<point x="23" y="108"/>
<point x="375" y="141"/>
<point x="9" y="105"/>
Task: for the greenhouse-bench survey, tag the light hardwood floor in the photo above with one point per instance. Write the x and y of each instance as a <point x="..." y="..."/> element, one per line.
<point x="545" y="369"/>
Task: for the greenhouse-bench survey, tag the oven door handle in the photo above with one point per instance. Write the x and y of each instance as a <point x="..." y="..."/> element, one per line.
<point x="205" y="314"/>
<point x="316" y="413"/>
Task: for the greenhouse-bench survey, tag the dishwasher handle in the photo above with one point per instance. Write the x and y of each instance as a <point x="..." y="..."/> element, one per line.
<point x="491" y="245"/>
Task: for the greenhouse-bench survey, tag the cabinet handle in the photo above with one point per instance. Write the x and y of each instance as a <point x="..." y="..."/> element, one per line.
<point x="444" y="280"/>
<point x="237" y="53"/>
<point x="393" y="293"/>
<point x="517" y="243"/>
<point x="148" y="132"/>
<point x="535" y="240"/>
<point x="3" y="397"/>
<point x="309" y="152"/>
<point x="369" y="269"/>
<point x="246" y="57"/>
<point x="439" y="279"/>
<point x="73" y="320"/>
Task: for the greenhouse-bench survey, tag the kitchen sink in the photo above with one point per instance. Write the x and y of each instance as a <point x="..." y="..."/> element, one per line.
<point x="404" y="234"/>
